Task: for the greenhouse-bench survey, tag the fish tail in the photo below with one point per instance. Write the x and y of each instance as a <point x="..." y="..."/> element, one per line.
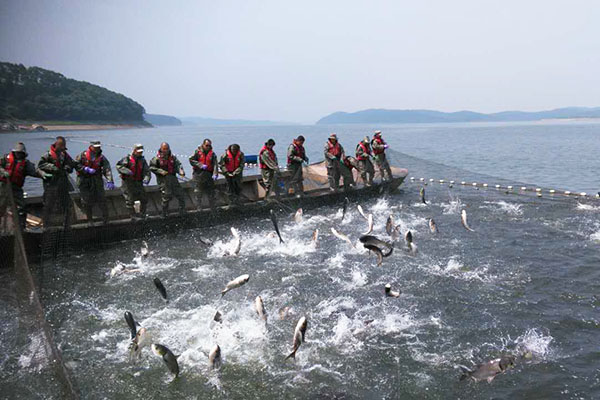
<point x="292" y="355"/>
<point x="466" y="372"/>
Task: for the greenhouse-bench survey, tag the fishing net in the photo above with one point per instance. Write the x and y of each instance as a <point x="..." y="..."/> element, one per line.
<point x="32" y="365"/>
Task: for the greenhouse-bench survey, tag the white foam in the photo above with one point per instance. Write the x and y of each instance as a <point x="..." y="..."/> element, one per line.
<point x="454" y="207"/>
<point x="503" y="206"/>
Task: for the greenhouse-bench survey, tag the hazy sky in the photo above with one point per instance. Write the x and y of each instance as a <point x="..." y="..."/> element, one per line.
<point x="298" y="61"/>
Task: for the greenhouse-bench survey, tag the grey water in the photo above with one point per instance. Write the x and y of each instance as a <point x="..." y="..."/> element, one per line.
<point x="524" y="282"/>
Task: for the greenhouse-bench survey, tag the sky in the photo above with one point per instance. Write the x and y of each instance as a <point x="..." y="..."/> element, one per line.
<point x="298" y="61"/>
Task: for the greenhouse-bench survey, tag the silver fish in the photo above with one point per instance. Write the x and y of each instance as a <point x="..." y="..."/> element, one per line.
<point x="275" y="225"/>
<point x="422" y="195"/>
<point x="315" y="238"/>
<point x="463" y="219"/>
<point x="340" y="235"/>
<point x="238" y="243"/>
<point x="214" y="358"/>
<point x="374" y="241"/>
<point x="141" y="340"/>
<point x="377" y="252"/>
<point x="389" y="225"/>
<point x="361" y="212"/>
<point x="369" y="224"/>
<point x="412" y="248"/>
<point x="168" y="357"/>
<point x="432" y="226"/>
<point x="144" y="252"/>
<point x="298" y="216"/>
<point x="389" y="292"/>
<point x="259" y="306"/>
<point x="488" y="370"/>
<point x="298" y="339"/>
<point x="236" y="283"/>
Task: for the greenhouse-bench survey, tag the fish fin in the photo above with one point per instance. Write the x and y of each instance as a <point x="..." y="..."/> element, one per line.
<point x="292" y="355"/>
<point x="490" y="379"/>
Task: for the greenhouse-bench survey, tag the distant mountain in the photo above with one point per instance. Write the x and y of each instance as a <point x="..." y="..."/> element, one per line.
<point x="36" y="94"/>
<point x="162" y="120"/>
<point x="381" y="116"/>
<point x="215" y="121"/>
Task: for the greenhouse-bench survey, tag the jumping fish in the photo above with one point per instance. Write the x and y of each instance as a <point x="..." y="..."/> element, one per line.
<point x="412" y="248"/>
<point x="361" y="212"/>
<point x="274" y="220"/>
<point x="346" y="203"/>
<point x="259" y="306"/>
<point x="488" y="370"/>
<point x="121" y="269"/>
<point x="161" y="288"/>
<point x="298" y="339"/>
<point x="422" y="195"/>
<point x="236" y="283"/>
<point x="298" y="216"/>
<point x="315" y="238"/>
<point x="144" y="252"/>
<point x="432" y="226"/>
<point x="463" y="219"/>
<point x="389" y="292"/>
<point x="168" y="357"/>
<point x="214" y="358"/>
<point x="142" y="338"/>
<point x="377" y="252"/>
<point x="205" y="241"/>
<point x="218" y="317"/>
<point x="131" y="324"/>
<point x="375" y="241"/>
<point x="340" y="235"/>
<point x="389" y="225"/>
<point x="238" y="243"/>
<point x="369" y="224"/>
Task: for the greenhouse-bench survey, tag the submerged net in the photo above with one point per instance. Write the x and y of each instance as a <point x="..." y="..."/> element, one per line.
<point x="32" y="365"/>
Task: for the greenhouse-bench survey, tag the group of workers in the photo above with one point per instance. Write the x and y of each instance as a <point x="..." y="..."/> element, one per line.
<point x="91" y="166"/>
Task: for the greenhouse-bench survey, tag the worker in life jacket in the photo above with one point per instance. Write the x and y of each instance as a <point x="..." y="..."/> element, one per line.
<point x="295" y="157"/>
<point x="365" y="167"/>
<point x="379" y="146"/>
<point x="135" y="173"/>
<point x="57" y="201"/>
<point x="14" y="167"/>
<point x="334" y="156"/>
<point x="232" y="167"/>
<point x="93" y="166"/>
<point x="267" y="161"/>
<point x="351" y="164"/>
<point x="166" y="167"/>
<point x="204" y="164"/>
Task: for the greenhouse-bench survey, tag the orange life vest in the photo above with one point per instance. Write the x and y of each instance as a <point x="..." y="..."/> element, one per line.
<point x="380" y="141"/>
<point x="206" y="159"/>
<point x="272" y="156"/>
<point x="16" y="169"/>
<point x="299" y="150"/>
<point x="366" y="150"/>
<point x="96" y="163"/>
<point x="334" y="150"/>
<point x="233" y="162"/>
<point x="167" y="164"/>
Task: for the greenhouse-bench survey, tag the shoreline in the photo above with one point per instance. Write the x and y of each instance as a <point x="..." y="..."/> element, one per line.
<point x="27" y="128"/>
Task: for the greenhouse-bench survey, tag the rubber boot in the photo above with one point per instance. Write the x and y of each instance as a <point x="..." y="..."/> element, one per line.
<point x="104" y="209"/>
<point x="90" y="216"/>
<point x="165" y="211"/>
<point x="181" y="208"/>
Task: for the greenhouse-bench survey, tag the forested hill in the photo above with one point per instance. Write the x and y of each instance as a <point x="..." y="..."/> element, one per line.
<point x="36" y="94"/>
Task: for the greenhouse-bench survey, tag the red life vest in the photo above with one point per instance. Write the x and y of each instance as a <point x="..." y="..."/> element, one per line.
<point x="233" y="163"/>
<point x="16" y="169"/>
<point x="379" y="141"/>
<point x="137" y="167"/>
<point x="348" y="164"/>
<point x="365" y="150"/>
<point x="299" y="150"/>
<point x="56" y="157"/>
<point x="272" y="156"/>
<point x="167" y="164"/>
<point x="87" y="161"/>
<point x="334" y="150"/>
<point x="206" y="159"/>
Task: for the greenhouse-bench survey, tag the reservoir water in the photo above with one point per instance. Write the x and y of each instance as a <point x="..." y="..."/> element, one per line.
<point x="525" y="282"/>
